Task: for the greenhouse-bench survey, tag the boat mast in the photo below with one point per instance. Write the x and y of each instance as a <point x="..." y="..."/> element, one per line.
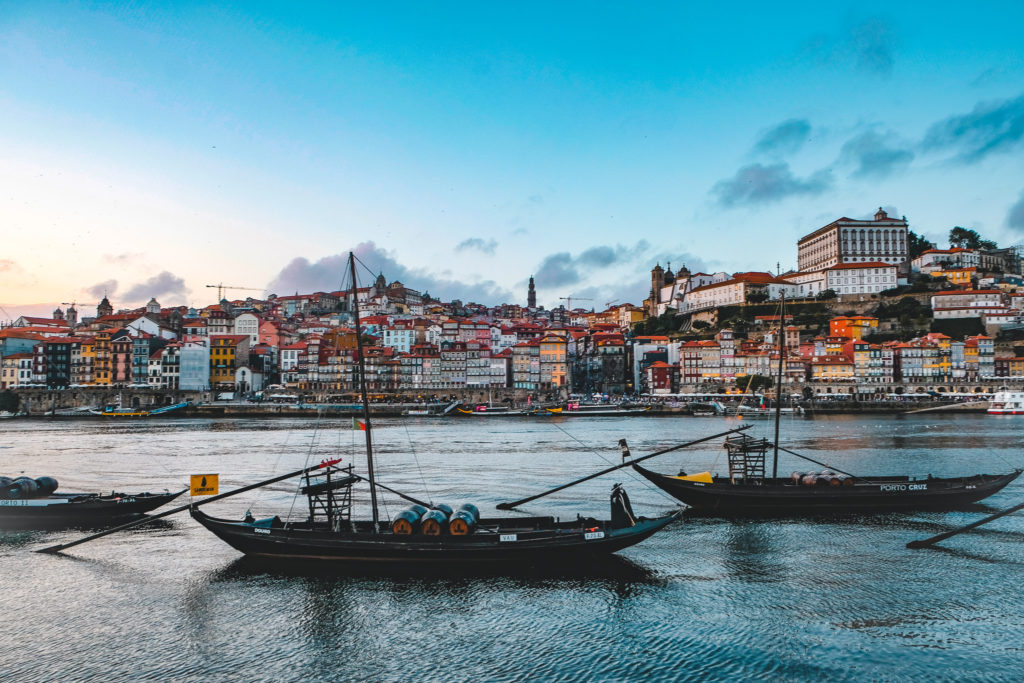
<point x="362" y="390"/>
<point x="778" y="384"/>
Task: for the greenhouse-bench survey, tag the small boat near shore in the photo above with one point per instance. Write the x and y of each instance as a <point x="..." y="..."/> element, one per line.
<point x="118" y="411"/>
<point x="1007" y="403"/>
<point x="27" y="503"/>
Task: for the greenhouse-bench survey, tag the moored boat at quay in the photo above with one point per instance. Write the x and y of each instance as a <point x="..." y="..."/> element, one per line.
<point x="1006" y="403"/>
<point x="27" y="503"/>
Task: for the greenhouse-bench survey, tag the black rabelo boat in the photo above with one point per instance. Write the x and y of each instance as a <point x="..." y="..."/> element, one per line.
<point x="749" y="491"/>
<point x="40" y="506"/>
<point x="422" y="533"/>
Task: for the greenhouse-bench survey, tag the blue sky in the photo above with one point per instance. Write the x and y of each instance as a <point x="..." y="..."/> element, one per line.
<point x="152" y="149"/>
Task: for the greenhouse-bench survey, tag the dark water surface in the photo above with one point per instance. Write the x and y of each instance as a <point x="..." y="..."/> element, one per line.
<point x="706" y="599"/>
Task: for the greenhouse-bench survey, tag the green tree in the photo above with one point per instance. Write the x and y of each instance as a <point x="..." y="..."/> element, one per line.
<point x="968" y="239"/>
<point x="757" y="297"/>
<point x="753" y="383"/>
<point x="826" y="294"/>
<point x="917" y="245"/>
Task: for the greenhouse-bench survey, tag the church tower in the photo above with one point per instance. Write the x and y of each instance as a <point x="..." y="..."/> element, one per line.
<point x="104" y="308"/>
<point x="531" y="295"/>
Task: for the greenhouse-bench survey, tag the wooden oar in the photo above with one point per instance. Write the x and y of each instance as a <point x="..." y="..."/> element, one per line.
<point x="149" y="518"/>
<point x="941" y="537"/>
<point x="509" y="506"/>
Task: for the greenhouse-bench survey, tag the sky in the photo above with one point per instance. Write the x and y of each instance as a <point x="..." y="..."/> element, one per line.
<point x="154" y="149"/>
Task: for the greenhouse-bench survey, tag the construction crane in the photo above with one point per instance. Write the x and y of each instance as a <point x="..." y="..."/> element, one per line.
<point x="221" y="287"/>
<point x="609" y="303"/>
<point x="568" y="300"/>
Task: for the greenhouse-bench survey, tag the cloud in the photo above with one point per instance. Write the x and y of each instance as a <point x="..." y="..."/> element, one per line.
<point x="102" y="289"/>
<point x="874" y="156"/>
<point x="164" y="284"/>
<point x="989" y="128"/>
<point x="785" y="138"/>
<point x="1015" y="218"/>
<point x="760" y="184"/>
<point x="330" y="274"/>
<point x="868" y="46"/>
<point x="561" y="269"/>
<point x="127" y="258"/>
<point x="486" y="247"/>
<point x="872" y="43"/>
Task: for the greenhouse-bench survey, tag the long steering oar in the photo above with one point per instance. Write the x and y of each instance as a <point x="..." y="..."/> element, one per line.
<point x="149" y="518"/>
<point x="941" y="537"/>
<point x="509" y="506"/>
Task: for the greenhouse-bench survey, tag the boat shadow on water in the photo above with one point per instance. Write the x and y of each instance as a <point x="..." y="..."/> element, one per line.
<point x="601" y="568"/>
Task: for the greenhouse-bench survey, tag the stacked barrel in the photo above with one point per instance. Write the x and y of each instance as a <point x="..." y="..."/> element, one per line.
<point x="26" y="487"/>
<point x="823" y="478"/>
<point x="436" y="521"/>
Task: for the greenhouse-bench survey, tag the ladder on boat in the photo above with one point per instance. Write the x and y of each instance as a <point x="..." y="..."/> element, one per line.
<point x="746" y="458"/>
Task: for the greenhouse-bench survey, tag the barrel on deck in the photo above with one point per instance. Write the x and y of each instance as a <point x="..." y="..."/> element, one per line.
<point x="464" y="520"/>
<point x="22" y="487"/>
<point x="797" y="476"/>
<point x="408" y="520"/>
<point x="47" y="485"/>
<point x="809" y="479"/>
<point x="435" y="522"/>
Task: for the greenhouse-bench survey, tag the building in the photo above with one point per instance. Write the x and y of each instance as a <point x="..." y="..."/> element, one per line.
<point x="847" y="240"/>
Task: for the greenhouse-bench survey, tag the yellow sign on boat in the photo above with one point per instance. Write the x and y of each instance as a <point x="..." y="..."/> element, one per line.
<point x="204" y="485"/>
<point x="702" y="477"/>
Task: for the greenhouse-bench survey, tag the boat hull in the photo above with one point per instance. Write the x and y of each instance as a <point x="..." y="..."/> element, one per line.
<point x="82" y="509"/>
<point x="502" y="545"/>
<point x="782" y="497"/>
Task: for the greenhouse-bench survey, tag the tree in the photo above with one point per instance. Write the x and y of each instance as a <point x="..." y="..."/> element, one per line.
<point x="9" y="401"/>
<point x="757" y="296"/>
<point x="826" y="294"/>
<point x="917" y="245"/>
<point x="969" y="239"/>
<point x="700" y="325"/>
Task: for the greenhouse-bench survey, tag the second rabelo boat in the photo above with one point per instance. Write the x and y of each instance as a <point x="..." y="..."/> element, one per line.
<point x="423" y="533"/>
<point x="749" y="490"/>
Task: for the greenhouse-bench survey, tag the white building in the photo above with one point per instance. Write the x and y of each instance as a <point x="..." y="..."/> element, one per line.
<point x="854" y="241"/>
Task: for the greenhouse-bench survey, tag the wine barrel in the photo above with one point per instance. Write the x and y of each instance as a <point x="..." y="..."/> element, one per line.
<point x="797" y="476"/>
<point x="22" y="487"/>
<point x="824" y="480"/>
<point x="47" y="485"/>
<point x="809" y="479"/>
<point x="464" y="520"/>
<point x="835" y="480"/>
<point x="434" y="522"/>
<point x="408" y="520"/>
<point x="845" y="480"/>
<point x="4" y="483"/>
<point x="446" y="509"/>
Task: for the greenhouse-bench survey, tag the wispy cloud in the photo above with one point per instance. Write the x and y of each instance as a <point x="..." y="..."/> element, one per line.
<point x="868" y="46"/>
<point x="164" y="284"/>
<point x="785" y="138"/>
<point x="1015" y="218"/>
<point x="759" y="184"/>
<point x="124" y="259"/>
<point x="561" y="269"/>
<point x="477" y="244"/>
<point x="330" y="274"/>
<point x="991" y="127"/>
<point x="102" y="289"/>
<point x="875" y="155"/>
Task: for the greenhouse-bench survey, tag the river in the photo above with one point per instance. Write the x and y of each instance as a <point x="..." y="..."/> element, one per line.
<point x="706" y="599"/>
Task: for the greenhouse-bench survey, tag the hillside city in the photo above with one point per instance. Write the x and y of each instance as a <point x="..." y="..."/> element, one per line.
<point x="872" y="309"/>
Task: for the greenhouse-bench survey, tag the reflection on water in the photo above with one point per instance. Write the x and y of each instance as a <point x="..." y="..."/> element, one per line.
<point x="833" y="597"/>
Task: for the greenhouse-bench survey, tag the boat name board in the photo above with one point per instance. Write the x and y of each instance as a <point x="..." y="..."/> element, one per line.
<point x="39" y="502"/>
<point x="260" y="530"/>
<point x="896" y="488"/>
<point x="508" y="538"/>
<point x="593" y="535"/>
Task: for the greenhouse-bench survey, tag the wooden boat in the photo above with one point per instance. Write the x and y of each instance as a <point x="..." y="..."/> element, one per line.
<point x="63" y="509"/>
<point x="118" y="411"/>
<point x="423" y="534"/>
<point x="750" y="490"/>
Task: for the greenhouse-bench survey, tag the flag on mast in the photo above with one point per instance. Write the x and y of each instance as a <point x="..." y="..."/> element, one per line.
<point x="358" y="424"/>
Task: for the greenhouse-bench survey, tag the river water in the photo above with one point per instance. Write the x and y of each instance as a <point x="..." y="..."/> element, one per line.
<point x="706" y="599"/>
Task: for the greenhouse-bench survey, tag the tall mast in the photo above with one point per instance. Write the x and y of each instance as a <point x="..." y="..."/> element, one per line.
<point x="778" y="384"/>
<point x="362" y="391"/>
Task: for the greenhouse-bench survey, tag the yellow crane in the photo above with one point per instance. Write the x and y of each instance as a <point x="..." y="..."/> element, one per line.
<point x="221" y="287"/>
